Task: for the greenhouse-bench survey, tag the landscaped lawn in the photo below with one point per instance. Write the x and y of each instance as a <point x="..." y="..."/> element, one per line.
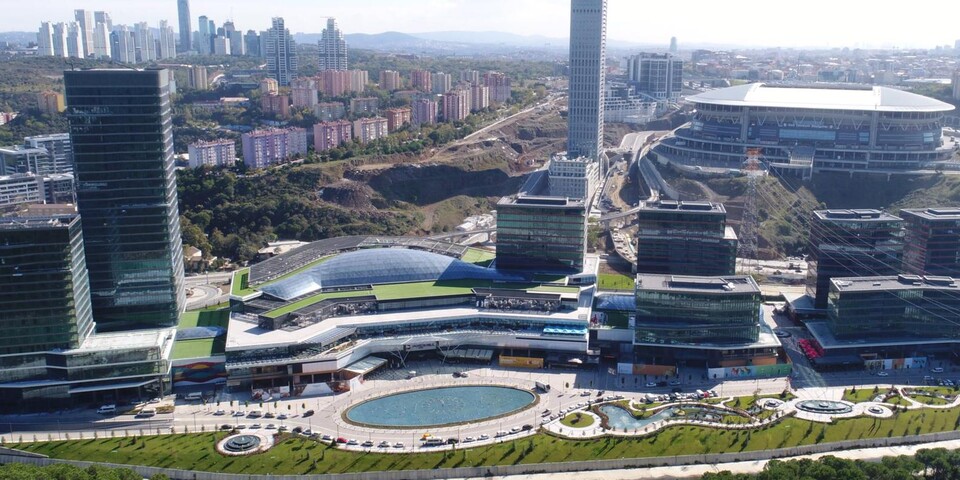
<point x="866" y="394"/>
<point x="240" y="285"/>
<point x="577" y="420"/>
<point x="204" y="318"/>
<point x="297" y="456"/>
<point x="478" y="256"/>
<point x="199" y="348"/>
<point x="744" y="403"/>
<point x="948" y="391"/>
<point x="615" y="281"/>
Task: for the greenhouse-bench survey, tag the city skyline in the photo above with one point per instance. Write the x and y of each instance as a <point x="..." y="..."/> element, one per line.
<point x="746" y="25"/>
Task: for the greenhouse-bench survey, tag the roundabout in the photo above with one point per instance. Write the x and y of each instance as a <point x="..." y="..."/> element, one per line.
<point x="437" y="407"/>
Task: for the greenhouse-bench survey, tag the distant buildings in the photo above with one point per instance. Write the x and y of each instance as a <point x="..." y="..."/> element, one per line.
<point x="45" y="40"/>
<point x="851" y="243"/>
<point x="334" y="83"/>
<point x="390" y="80"/>
<point x="685" y="238"/>
<point x="658" y="75"/>
<point x="397" y="117"/>
<point x="262" y="148"/>
<point x="216" y="153"/>
<point x="470" y="76"/>
<point x="588" y="31"/>
<point x="329" y="135"/>
<point x="364" y="106"/>
<point x="50" y="102"/>
<point x="369" y="129"/>
<point x="269" y="86"/>
<point x="573" y="177"/>
<point x="931" y="241"/>
<point x="541" y="233"/>
<point x="198" y="77"/>
<point x="166" y="43"/>
<point x="329" y="111"/>
<point x="126" y="193"/>
<point x="281" y="53"/>
<point x="956" y="85"/>
<point x="278" y="105"/>
<point x="333" y="48"/>
<point x="59" y="157"/>
<point x="304" y="93"/>
<point x="423" y="111"/>
<point x="441" y="83"/>
<point x="456" y="105"/>
<point x="421" y="80"/>
<point x="499" y="85"/>
<point x="183" y="15"/>
<point x="479" y="97"/>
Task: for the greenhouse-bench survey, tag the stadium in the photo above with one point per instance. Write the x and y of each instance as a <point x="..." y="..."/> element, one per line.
<point x="812" y="128"/>
<point x="328" y="313"/>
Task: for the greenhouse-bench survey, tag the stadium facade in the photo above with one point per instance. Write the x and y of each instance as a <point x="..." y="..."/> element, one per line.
<point x="806" y="128"/>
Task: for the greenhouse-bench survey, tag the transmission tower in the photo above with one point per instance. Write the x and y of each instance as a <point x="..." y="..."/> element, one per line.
<point x="749" y="223"/>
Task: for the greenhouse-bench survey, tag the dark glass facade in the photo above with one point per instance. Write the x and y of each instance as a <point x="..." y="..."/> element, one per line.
<point x="541" y="233"/>
<point x="44" y="293"/>
<point x="895" y="308"/>
<point x="851" y="243"/>
<point x="685" y="238"/>
<point x="696" y="310"/>
<point x="121" y="127"/>
<point x="931" y="241"/>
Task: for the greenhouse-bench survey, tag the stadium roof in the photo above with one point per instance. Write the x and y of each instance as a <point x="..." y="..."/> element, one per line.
<point x="825" y="96"/>
<point x="378" y="266"/>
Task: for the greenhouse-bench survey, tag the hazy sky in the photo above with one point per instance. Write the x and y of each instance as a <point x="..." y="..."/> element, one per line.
<point x="827" y="23"/>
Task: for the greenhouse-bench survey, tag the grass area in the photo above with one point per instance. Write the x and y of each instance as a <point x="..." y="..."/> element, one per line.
<point x="949" y="392"/>
<point x="577" y="420"/>
<point x="615" y="281"/>
<point x="299" y="270"/>
<point x="204" y="318"/>
<point x="898" y="400"/>
<point x="478" y="256"/>
<point x="199" y="348"/>
<point x="744" y="403"/>
<point x="240" y="285"/>
<point x="397" y="291"/>
<point x="299" y="456"/>
<point x="861" y="395"/>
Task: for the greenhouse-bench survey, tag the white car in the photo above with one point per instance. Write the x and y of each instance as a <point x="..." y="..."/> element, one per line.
<point x="483" y="437"/>
<point x="515" y="430"/>
<point x="398" y="445"/>
<point x="468" y="439"/>
<point x="352" y="442"/>
<point x="239" y="413"/>
<point x="384" y="444"/>
<point x="219" y="412"/>
<point x="881" y="373"/>
<point x="271" y="426"/>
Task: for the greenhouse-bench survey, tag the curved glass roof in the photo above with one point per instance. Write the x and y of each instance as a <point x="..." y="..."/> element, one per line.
<point x="821" y="96"/>
<point x="382" y="266"/>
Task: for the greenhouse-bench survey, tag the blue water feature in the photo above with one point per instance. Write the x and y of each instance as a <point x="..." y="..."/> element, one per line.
<point x="440" y="406"/>
<point x="619" y="419"/>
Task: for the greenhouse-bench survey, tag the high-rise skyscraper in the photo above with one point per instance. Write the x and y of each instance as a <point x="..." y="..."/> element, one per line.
<point x="145" y="43"/>
<point x="84" y="20"/>
<point x="588" y="34"/>
<point x="59" y="39"/>
<point x="183" y="13"/>
<point x="74" y="41"/>
<point x="168" y="41"/>
<point x="203" y="40"/>
<point x="45" y="40"/>
<point x="673" y="45"/>
<point x="127" y="195"/>
<point x="657" y="75"/>
<point x="333" y="48"/>
<point x="281" y="53"/>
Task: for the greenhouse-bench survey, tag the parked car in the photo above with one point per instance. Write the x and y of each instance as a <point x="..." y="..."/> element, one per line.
<point x="367" y="444"/>
<point x="651" y="384"/>
<point x="308" y="413"/>
<point x="219" y="412"/>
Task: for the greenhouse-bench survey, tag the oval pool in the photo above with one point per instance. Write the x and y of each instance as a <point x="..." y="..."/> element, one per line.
<point x="440" y="406"/>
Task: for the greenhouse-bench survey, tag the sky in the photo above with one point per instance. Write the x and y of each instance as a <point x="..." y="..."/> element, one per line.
<point x="772" y="23"/>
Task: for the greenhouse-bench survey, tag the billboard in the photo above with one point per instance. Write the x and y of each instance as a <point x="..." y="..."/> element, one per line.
<point x="752" y="371"/>
<point x="521" y="362"/>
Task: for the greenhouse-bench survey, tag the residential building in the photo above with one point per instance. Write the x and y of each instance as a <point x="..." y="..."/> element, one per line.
<point x="123" y="45"/>
<point x="198" y="78"/>
<point x="389" y="80"/>
<point x="659" y="76"/>
<point x="304" y="93"/>
<point x="536" y="233"/>
<point x="424" y="111"/>
<point x="359" y="80"/>
<point x="456" y="105"/>
<point x="215" y="153"/>
<point x="479" y="97"/>
<point x="262" y="148"/>
<point x="370" y="129"/>
<point x="685" y="238"/>
<point x="144" y="41"/>
<point x="183" y="15"/>
<point x="45" y="40"/>
<point x="931" y="241"/>
<point x="167" y="42"/>
<point x="573" y="177"/>
<point x="281" y="53"/>
<point x="75" y="41"/>
<point x="59" y="40"/>
<point x="127" y="195"/>
<point x="588" y="33"/>
<point x="278" y="105"/>
<point x="441" y="83"/>
<point x="397" y="117"/>
<point x="333" y="83"/>
<point x="101" y="37"/>
<point x="221" y="46"/>
<point x="329" y="111"/>
<point x="499" y="85"/>
<point x="329" y="135"/>
<point x="59" y="157"/>
<point x="470" y="76"/>
<point x="333" y="48"/>
<point x="50" y="102"/>
<point x="364" y="106"/>
<point x="85" y="27"/>
<point x="421" y="80"/>
<point x="269" y="86"/>
<point x="851" y="243"/>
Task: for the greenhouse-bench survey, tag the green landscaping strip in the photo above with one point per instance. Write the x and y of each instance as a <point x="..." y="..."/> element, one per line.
<point x="239" y="286"/>
<point x="296" y="456"/>
<point x="199" y="347"/>
<point x="204" y="318"/>
<point x="615" y="281"/>
<point x="478" y="256"/>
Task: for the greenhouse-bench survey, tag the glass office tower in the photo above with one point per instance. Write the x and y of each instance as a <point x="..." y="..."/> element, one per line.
<point x="541" y="233"/>
<point x="121" y="127"/>
<point x="44" y="293"/>
<point x="685" y="238"/>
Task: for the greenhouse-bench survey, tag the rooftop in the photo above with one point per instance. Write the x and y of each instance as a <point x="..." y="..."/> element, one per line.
<point x="899" y="282"/>
<point x="43" y="222"/>
<point x="542" y="201"/>
<point x="858" y="215"/>
<point x="694" y="284"/>
<point x="945" y="213"/>
<point x="822" y="333"/>
<point x="821" y="96"/>
<point x="679" y="206"/>
<point x="129" y="340"/>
